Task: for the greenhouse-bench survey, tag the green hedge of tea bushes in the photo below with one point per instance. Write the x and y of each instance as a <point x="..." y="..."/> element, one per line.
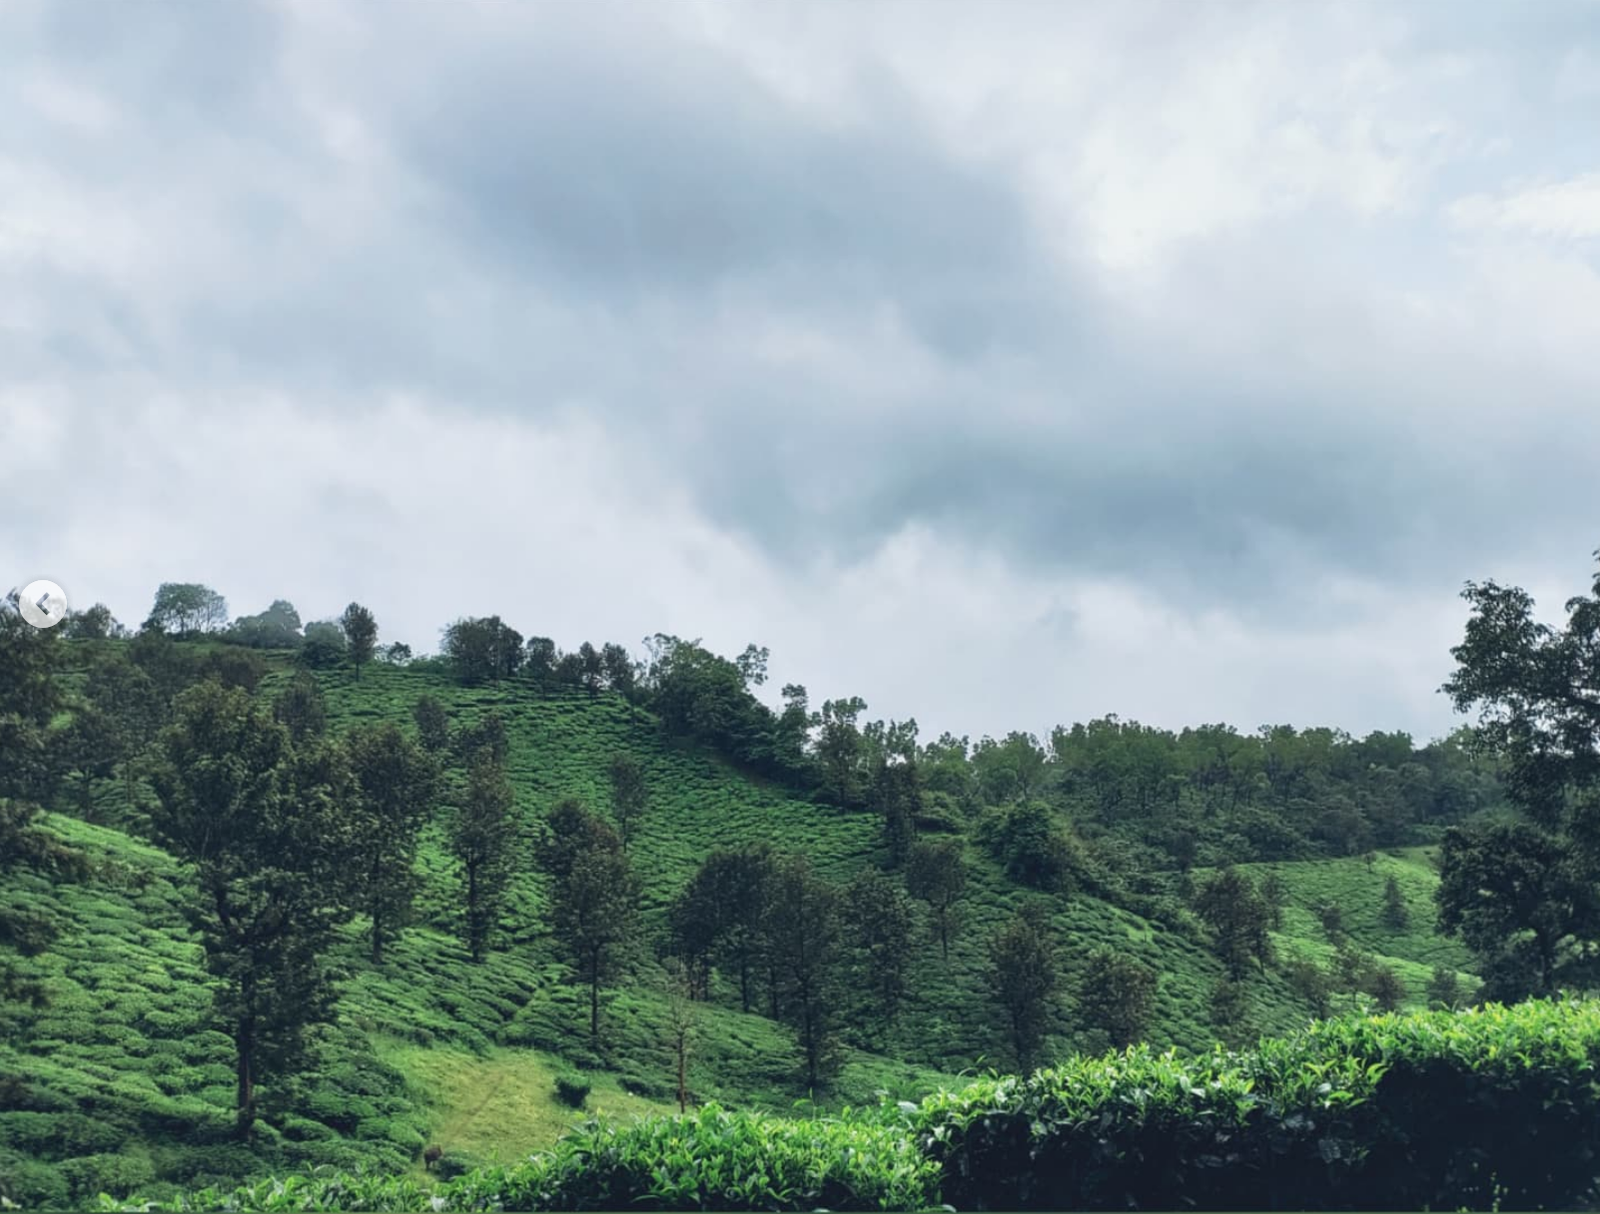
<point x="709" y="1159"/>
<point x="1480" y="1109"/>
<point x="1427" y="1110"/>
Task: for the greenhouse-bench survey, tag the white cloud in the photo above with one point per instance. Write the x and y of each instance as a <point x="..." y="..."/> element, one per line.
<point x="277" y="348"/>
<point x="1565" y="210"/>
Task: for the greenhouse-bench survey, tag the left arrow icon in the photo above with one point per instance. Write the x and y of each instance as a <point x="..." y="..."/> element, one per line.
<point x="43" y="604"/>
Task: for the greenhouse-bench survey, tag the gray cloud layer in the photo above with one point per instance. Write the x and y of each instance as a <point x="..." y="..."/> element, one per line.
<point x="1184" y="301"/>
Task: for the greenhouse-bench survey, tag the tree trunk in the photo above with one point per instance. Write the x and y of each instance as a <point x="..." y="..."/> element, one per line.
<point x="474" y="929"/>
<point x="245" y="1099"/>
<point x="594" y="1002"/>
<point x="683" y="1091"/>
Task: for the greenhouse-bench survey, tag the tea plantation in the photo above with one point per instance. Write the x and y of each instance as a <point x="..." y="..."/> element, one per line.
<point x="1342" y="1115"/>
<point x="118" y="1081"/>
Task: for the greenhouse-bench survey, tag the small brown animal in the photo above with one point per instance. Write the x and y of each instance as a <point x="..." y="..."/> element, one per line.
<point x="431" y="1156"/>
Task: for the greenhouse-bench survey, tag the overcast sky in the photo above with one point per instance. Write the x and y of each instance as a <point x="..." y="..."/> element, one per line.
<point x="1005" y="364"/>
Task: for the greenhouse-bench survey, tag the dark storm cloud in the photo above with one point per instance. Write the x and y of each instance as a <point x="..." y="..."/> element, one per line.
<point x="620" y="170"/>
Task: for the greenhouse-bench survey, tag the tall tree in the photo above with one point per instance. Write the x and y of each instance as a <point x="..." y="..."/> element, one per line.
<point x="683" y="1022"/>
<point x="266" y="828"/>
<point x="1522" y="895"/>
<point x="301" y="709"/>
<point x="482" y="840"/>
<point x="487" y="732"/>
<point x="1022" y="971"/>
<point x="88" y="747"/>
<point x="325" y="645"/>
<point x="483" y="650"/>
<point x="187" y="608"/>
<point x="94" y="623"/>
<point x="433" y="725"/>
<point x="278" y="627"/>
<point x="936" y="873"/>
<point x="630" y="796"/>
<point x="619" y="669"/>
<point x="878" y="917"/>
<point x="1238" y="917"/>
<point x="897" y="796"/>
<point x="30" y="696"/>
<point x="593" y="667"/>
<point x="1118" y="994"/>
<point x="595" y="913"/>
<point x="1524" y="902"/>
<point x="396" y="781"/>
<point x="540" y="656"/>
<point x="361" y="632"/>
<point x="721" y="915"/>
<point x="568" y="830"/>
<point x="1396" y="914"/>
<point x="803" y="930"/>
<point x="127" y="697"/>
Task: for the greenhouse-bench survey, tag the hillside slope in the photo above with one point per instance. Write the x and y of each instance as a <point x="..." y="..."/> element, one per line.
<point x="119" y="1083"/>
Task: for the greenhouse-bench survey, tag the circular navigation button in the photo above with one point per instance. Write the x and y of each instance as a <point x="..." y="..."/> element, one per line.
<point x="43" y="604"/>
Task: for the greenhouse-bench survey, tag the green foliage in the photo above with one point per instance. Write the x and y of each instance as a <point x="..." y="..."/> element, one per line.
<point x="595" y="915"/>
<point x="1032" y="846"/>
<point x="1022" y="968"/>
<point x="1235" y="912"/>
<point x="1522" y="895"/>
<point x="879" y="929"/>
<point x="937" y="874"/>
<point x="395" y="785"/>
<point x="278" y="627"/>
<point x="482" y="650"/>
<point x="187" y="608"/>
<point x="1344" y="1115"/>
<point x="1523" y="901"/>
<point x="325" y="645"/>
<point x="263" y="826"/>
<point x="573" y="1090"/>
<point x="1444" y="988"/>
<point x="481" y="840"/>
<point x="361" y="635"/>
<point x="711" y="1159"/>
<point x="630" y="795"/>
<point x="301" y="709"/>
<point x="427" y="1001"/>
<point x="802" y="926"/>
<point x="1117" y="994"/>
<point x="433" y="724"/>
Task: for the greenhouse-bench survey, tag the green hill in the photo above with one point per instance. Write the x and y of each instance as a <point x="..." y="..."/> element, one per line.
<point x="120" y="1081"/>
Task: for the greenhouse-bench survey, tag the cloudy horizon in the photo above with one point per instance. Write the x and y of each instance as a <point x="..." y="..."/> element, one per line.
<point x="1004" y="364"/>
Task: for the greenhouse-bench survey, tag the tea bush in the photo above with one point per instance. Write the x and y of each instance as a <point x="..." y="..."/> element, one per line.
<point x="1429" y="1110"/>
<point x="572" y="1090"/>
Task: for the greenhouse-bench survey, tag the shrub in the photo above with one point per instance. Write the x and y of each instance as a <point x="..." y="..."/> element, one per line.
<point x="451" y="1164"/>
<point x="713" y="1159"/>
<point x="572" y="1090"/>
<point x="1344" y="1115"/>
<point x="119" y="1175"/>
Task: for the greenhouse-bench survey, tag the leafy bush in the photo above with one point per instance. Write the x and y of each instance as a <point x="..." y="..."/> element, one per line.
<point x="1344" y="1115"/>
<point x="90" y="1175"/>
<point x="455" y="1163"/>
<point x="710" y="1159"/>
<point x="572" y="1090"/>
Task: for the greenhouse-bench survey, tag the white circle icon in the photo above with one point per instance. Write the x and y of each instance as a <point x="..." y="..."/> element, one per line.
<point x="43" y="604"/>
